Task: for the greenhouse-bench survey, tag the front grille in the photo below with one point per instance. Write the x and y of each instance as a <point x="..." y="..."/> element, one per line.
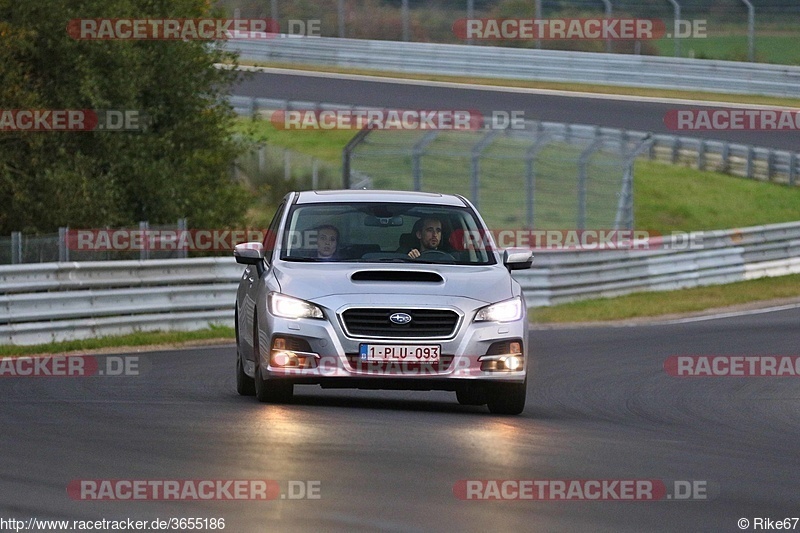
<point x="370" y="322"/>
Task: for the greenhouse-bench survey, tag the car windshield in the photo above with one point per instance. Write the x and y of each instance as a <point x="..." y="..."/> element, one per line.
<point x="386" y="232"/>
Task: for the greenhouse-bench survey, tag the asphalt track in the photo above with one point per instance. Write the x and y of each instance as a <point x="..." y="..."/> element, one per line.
<point x="607" y="111"/>
<point x="600" y="406"/>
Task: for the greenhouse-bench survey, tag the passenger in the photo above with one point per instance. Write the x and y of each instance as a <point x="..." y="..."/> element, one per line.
<point x="327" y="242"/>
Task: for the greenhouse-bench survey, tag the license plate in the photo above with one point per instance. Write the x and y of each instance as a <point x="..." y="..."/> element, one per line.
<point x="409" y="353"/>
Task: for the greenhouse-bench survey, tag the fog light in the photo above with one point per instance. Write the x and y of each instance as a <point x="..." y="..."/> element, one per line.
<point x="512" y="363"/>
<point x="281" y="358"/>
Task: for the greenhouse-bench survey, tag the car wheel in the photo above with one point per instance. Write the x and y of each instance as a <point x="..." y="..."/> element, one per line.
<point x="473" y="394"/>
<point x="507" y="398"/>
<point x="269" y="391"/>
<point x="245" y="385"/>
<point x="273" y="391"/>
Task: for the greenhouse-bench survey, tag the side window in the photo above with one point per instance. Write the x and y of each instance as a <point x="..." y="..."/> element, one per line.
<point x="272" y="234"/>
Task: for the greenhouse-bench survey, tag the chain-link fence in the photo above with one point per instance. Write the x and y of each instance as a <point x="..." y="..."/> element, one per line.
<point x="546" y="176"/>
<point x="754" y="30"/>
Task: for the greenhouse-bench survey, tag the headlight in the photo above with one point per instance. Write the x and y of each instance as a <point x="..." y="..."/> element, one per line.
<point x="288" y="307"/>
<point x="506" y="311"/>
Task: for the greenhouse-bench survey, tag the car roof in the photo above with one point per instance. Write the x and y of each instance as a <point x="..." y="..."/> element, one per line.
<point x="379" y="196"/>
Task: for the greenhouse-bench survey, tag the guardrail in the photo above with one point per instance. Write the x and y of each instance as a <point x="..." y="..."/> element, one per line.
<point x="701" y="258"/>
<point x="527" y="64"/>
<point x="60" y="301"/>
<point x="47" y="302"/>
<point x="746" y="161"/>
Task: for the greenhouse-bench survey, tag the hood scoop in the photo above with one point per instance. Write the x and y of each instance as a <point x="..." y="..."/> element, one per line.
<point x="413" y="276"/>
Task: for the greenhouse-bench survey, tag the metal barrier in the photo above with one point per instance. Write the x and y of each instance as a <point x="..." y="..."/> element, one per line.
<point x="60" y="301"/>
<point x="527" y="64"/>
<point x="47" y="302"/>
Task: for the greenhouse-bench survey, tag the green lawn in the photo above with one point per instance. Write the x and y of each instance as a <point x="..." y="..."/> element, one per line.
<point x="779" y="49"/>
<point x="666" y="197"/>
<point x="650" y="304"/>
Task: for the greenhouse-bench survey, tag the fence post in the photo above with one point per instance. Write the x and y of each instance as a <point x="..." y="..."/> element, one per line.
<point x="701" y="155"/>
<point x="470" y="15"/>
<point x="726" y="156"/>
<point x="63" y="248"/>
<point x="677" y="10"/>
<point x="751" y="31"/>
<point x="144" y="252"/>
<point x="16" y="247"/>
<point x="530" y="178"/>
<point x="582" y="178"/>
<point x="183" y="253"/>
<point x="475" y="179"/>
<point x="406" y="22"/>
<point x="608" y="16"/>
<point x="314" y="173"/>
<point x="749" y="168"/>
<point x="341" y="19"/>
<point x="792" y="158"/>
<point x="416" y="157"/>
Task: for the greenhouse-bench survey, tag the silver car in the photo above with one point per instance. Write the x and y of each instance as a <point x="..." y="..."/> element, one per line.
<point x="381" y="290"/>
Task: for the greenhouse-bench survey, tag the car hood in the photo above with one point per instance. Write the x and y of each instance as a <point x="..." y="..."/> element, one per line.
<point x="315" y="281"/>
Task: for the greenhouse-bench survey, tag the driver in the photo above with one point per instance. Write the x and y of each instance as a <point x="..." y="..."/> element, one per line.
<point x="429" y="235"/>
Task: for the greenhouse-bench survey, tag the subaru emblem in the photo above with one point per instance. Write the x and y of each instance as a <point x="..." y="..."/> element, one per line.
<point x="400" y="318"/>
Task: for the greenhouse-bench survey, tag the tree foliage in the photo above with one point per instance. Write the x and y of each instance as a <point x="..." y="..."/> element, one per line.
<point x="178" y="167"/>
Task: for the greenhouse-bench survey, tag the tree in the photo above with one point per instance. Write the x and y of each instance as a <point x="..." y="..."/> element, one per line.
<point x="178" y="167"/>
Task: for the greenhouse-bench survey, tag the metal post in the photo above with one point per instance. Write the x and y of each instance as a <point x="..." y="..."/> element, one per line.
<point x="676" y="146"/>
<point x="183" y="253"/>
<point x="406" y="22"/>
<point x="273" y="10"/>
<point x="416" y="156"/>
<point x="677" y="16"/>
<point x="475" y="166"/>
<point x="470" y="15"/>
<point x="16" y="248"/>
<point x="63" y="247"/>
<point x="538" y="15"/>
<point x="770" y="164"/>
<point x="608" y="16"/>
<point x="751" y="31"/>
<point x="582" y="179"/>
<point x="144" y="253"/>
<point x="792" y="172"/>
<point x="347" y="154"/>
<point x="701" y="155"/>
<point x="624" y="217"/>
<point x="530" y="178"/>
<point x="749" y="168"/>
<point x="315" y="174"/>
<point x="341" y="19"/>
<point x="726" y="157"/>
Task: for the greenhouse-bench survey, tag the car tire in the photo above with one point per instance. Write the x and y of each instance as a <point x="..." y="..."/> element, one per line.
<point x="507" y="398"/>
<point x="273" y="391"/>
<point x="269" y="391"/>
<point x="473" y="394"/>
<point x="245" y="385"/>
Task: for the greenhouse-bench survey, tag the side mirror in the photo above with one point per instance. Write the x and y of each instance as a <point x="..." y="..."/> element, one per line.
<point x="249" y="253"/>
<point x="517" y="258"/>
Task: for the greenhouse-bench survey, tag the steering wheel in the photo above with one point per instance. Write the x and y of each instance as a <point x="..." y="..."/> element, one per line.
<point x="436" y="254"/>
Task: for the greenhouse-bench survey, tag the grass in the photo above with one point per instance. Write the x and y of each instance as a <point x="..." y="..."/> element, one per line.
<point x="140" y="338"/>
<point x="779" y="49"/>
<point x="666" y="197"/>
<point x="554" y="86"/>
<point x="651" y="304"/>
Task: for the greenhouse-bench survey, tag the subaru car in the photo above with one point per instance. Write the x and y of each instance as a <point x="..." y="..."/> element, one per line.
<point x="375" y="289"/>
